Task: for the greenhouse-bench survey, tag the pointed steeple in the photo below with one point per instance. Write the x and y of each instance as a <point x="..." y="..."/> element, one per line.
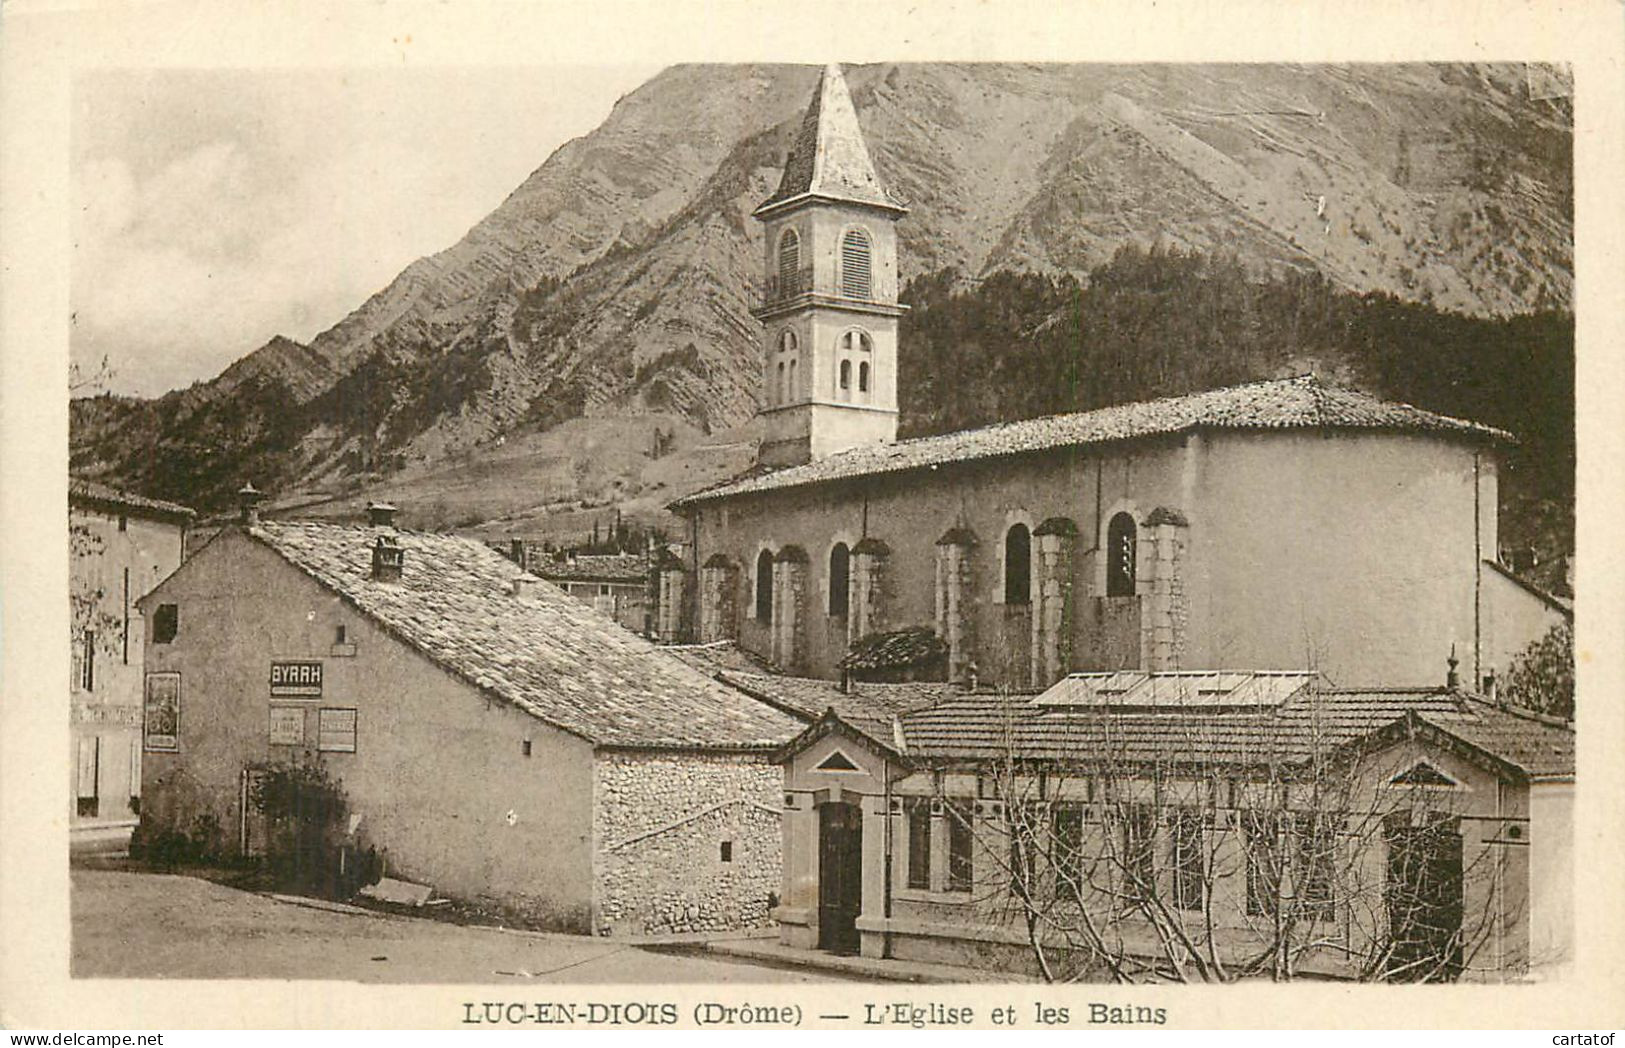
<point x="829" y="160"/>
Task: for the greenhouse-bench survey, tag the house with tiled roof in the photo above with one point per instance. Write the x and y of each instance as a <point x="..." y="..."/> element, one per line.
<point x="614" y="584"/>
<point x="1224" y="824"/>
<point x="120" y="544"/>
<point x="493" y="737"/>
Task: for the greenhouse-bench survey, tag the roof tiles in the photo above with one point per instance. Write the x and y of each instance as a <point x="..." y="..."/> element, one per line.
<point x="829" y="158"/>
<point x="544" y="652"/>
<point x="1295" y="403"/>
<point x="1310" y="720"/>
<point x="90" y="491"/>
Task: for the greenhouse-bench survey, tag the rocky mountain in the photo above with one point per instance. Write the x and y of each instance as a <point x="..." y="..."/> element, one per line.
<point x="615" y="282"/>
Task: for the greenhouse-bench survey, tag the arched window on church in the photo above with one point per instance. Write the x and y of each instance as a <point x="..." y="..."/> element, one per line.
<point x="778" y="387"/>
<point x="790" y="388"/>
<point x="845" y="380"/>
<point x="1018" y="565"/>
<point x="787" y="341"/>
<point x="764" y="587"/>
<point x="789" y="261"/>
<point x="856" y="273"/>
<point x="863" y="377"/>
<point x="1120" y="540"/>
<point x="840" y="580"/>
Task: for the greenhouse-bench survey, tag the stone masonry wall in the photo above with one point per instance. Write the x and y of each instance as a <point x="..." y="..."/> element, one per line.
<point x="661" y="821"/>
<point x="1162" y="586"/>
<point x="789" y="612"/>
<point x="868" y="590"/>
<point x="1052" y="600"/>
<point x="956" y="590"/>
<point x="718" y="608"/>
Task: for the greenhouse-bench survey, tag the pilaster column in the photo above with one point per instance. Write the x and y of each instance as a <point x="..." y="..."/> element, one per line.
<point x="669" y="575"/>
<point x="868" y="614"/>
<point x="1164" y="606"/>
<point x="719" y="608"/>
<point x="790" y="609"/>
<point x="1053" y="545"/>
<point x="956" y="621"/>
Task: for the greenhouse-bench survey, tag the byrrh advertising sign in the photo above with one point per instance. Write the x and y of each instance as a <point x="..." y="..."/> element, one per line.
<point x="296" y="678"/>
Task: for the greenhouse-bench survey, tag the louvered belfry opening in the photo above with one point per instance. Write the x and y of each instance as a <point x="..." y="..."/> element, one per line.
<point x="789" y="260"/>
<point x="856" y="271"/>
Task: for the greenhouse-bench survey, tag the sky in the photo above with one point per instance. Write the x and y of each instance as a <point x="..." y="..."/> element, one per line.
<point x="215" y="209"/>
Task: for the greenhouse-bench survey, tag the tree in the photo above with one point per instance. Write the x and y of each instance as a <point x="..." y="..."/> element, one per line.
<point x="92" y="627"/>
<point x="1541" y="677"/>
<point x="1207" y="858"/>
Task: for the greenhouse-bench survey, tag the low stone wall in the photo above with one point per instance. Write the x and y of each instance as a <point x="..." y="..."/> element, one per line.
<point x="662" y="824"/>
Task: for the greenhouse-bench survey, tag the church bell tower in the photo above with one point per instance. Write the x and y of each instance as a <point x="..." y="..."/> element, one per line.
<point x="829" y="313"/>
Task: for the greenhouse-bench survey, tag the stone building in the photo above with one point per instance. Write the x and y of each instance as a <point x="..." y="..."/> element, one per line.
<point x="494" y="737"/>
<point x="1281" y="525"/>
<point x="1230" y="824"/>
<point x="120" y="545"/>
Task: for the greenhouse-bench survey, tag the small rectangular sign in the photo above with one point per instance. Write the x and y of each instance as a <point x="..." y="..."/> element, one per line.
<point x="287" y="726"/>
<point x="335" y="730"/>
<point x="296" y="678"/>
<point x="161" y="714"/>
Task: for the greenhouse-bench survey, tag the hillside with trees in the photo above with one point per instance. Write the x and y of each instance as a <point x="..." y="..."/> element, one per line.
<point x="1160" y="322"/>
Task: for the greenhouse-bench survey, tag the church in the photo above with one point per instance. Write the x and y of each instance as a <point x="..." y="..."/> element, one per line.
<point x="1193" y="711"/>
<point x="1279" y="525"/>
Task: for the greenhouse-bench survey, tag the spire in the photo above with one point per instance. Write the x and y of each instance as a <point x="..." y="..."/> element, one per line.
<point x="829" y="159"/>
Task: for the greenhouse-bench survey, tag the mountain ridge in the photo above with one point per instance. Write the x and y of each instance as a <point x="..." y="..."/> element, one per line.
<point x="616" y="279"/>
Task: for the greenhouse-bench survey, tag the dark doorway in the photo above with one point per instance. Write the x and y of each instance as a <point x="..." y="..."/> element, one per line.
<point x="840" y="876"/>
<point x="1424" y="898"/>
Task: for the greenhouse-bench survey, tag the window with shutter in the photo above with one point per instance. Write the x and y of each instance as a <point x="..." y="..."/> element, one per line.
<point x="789" y="260"/>
<point x="856" y="276"/>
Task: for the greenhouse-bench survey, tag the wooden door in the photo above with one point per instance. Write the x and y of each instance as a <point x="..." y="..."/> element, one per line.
<point x="840" y="876"/>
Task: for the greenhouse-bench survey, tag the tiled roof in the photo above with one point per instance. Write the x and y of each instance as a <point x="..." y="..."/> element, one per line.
<point x="829" y="158"/>
<point x="868" y="707"/>
<point x="1541" y="747"/>
<point x="90" y="491"/>
<point x="544" y="652"/>
<point x="895" y="649"/>
<point x="618" y="567"/>
<point x="985" y="725"/>
<point x="1295" y="403"/>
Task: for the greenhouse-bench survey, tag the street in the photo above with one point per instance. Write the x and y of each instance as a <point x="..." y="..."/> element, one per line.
<point x="147" y="925"/>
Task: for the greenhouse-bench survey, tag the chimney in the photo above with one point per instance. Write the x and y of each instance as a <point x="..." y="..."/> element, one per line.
<point x="526" y="586"/>
<point x="388" y="559"/>
<point x="1488" y="690"/>
<point x="248" y="502"/>
<point x="516" y="551"/>
<point x="380" y="515"/>
<point x="1452" y="679"/>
